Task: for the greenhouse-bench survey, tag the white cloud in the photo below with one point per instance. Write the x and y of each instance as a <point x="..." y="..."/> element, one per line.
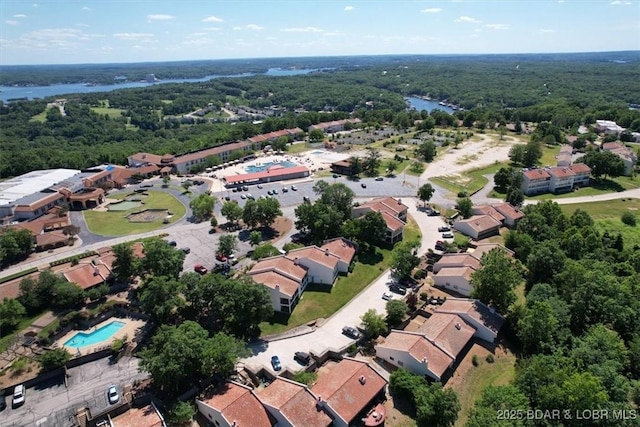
<point x="547" y="30"/>
<point x="498" y="26"/>
<point x="348" y="8"/>
<point x="11" y="22"/>
<point x="254" y="27"/>
<point x="212" y="19"/>
<point x="160" y="17"/>
<point x="468" y="19"/>
<point x="620" y="3"/>
<point x="432" y="10"/>
<point x="54" y="38"/>
<point x="333" y="34"/>
<point x="302" y="30"/>
<point x="35" y="5"/>
<point x="133" y="36"/>
<point x="86" y="8"/>
<point x="19" y="16"/>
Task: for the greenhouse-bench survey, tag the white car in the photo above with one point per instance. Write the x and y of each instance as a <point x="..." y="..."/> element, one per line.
<point x="387" y="296"/>
<point x="447" y="235"/>
<point x="18" y="395"/>
<point x="112" y="395"/>
<point x="294" y="188"/>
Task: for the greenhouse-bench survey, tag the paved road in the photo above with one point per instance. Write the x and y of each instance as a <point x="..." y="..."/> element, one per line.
<point x="52" y="404"/>
<point x="329" y="334"/>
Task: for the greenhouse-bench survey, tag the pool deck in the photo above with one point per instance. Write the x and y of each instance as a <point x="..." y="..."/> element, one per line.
<point x="130" y="328"/>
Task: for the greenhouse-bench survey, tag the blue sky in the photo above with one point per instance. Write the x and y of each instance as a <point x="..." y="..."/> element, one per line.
<point x="103" y="31"/>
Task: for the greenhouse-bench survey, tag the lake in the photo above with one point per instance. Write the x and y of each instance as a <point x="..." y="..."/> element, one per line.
<point x="32" y="92"/>
<point x="423" y="104"/>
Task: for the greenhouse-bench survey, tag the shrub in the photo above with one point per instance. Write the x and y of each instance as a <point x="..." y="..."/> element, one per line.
<point x="181" y="413"/>
<point x="117" y="345"/>
<point x="75" y="260"/>
<point x="420" y="274"/>
<point x="306" y="378"/>
<point x="462" y="194"/>
<point x="54" y="359"/>
<point x="20" y="365"/>
<point x="424" y="296"/>
<point x="490" y="358"/>
<point x="475" y="360"/>
<point x="629" y="219"/>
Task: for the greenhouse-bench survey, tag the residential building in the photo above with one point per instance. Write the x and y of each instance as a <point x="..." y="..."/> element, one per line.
<point x="274" y="136"/>
<point x="234" y="405"/>
<point x="556" y="179"/>
<point x="334" y="126"/>
<point x="343" y="167"/>
<point x="487" y="210"/>
<point x="456" y="279"/>
<point x="457" y="260"/>
<point x="511" y="214"/>
<point x="608" y="127"/>
<point x="348" y="389"/>
<point x="561" y="179"/>
<point x="628" y="156"/>
<point x="272" y="174"/>
<point x="479" y="249"/>
<point x="393" y="211"/>
<point x="321" y="265"/>
<point x="146" y="416"/>
<point x="582" y="174"/>
<point x="478" y="227"/>
<point x="563" y="158"/>
<point x="292" y="404"/>
<point x="478" y="315"/>
<point x="535" y="181"/>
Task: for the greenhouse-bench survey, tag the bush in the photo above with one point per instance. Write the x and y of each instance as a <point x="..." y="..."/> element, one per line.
<point x="424" y="296"/>
<point x="462" y="194"/>
<point x="117" y="345"/>
<point x="420" y="274"/>
<point x="490" y="358"/>
<point x="20" y="365"/>
<point x="181" y="413"/>
<point x="306" y="378"/>
<point x="629" y="219"/>
<point x="475" y="360"/>
<point x="54" y="359"/>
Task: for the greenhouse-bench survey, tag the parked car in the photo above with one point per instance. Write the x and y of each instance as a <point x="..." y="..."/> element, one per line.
<point x="269" y="192"/>
<point x="186" y="250"/>
<point x="444" y="228"/>
<point x="245" y="188"/>
<point x="112" y="394"/>
<point x="221" y="257"/>
<point x="250" y="197"/>
<point x="221" y="269"/>
<point x="306" y="199"/>
<point x="398" y="289"/>
<point x="18" y="395"/>
<point x="294" y="188"/>
<point x="387" y="296"/>
<point x="227" y="198"/>
<point x="172" y="243"/>
<point x="146" y="186"/>
<point x="302" y="358"/>
<point x="3" y="403"/>
<point x="336" y="176"/>
<point x="199" y="268"/>
<point x="363" y="185"/>
<point x="275" y="191"/>
<point x="259" y="185"/>
<point x="242" y="196"/>
<point x="434" y="212"/>
<point x="379" y="178"/>
<point x="351" y="332"/>
<point x="234" y="190"/>
<point x="285" y="190"/>
<point x="447" y="235"/>
<point x="275" y="362"/>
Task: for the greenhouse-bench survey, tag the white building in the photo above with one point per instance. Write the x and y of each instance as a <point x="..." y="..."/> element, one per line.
<point x="456" y="279"/>
<point x="234" y="405"/>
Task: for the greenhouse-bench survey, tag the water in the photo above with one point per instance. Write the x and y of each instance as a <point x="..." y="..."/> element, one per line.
<point x="317" y="153"/>
<point x="32" y="92"/>
<point x="265" y="166"/>
<point x="83" y="339"/>
<point x="423" y="104"/>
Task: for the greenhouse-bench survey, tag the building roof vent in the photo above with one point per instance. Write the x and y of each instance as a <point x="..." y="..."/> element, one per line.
<point x="362" y="379"/>
<point x="458" y="326"/>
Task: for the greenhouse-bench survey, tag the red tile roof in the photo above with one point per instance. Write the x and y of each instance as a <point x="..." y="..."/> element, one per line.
<point x="148" y="158"/>
<point x="561" y="172"/>
<point x="342" y="248"/>
<point x="534" y="174"/>
<point x="314" y="253"/>
<point x="273" y="172"/>
<point x="449" y="260"/>
<point x="295" y="402"/>
<point x="237" y="403"/>
<point x="39" y="203"/>
<point x="482" y="248"/>
<point x="421" y="349"/>
<point x="447" y="331"/>
<point x="580" y="168"/>
<point x="147" y="416"/>
<point x="282" y="265"/>
<point x="242" y="145"/>
<point x="346" y="391"/>
<point x="87" y="275"/>
<point x="488" y="210"/>
<point x="608" y="146"/>
<point x="508" y="211"/>
<point x="273" y="279"/>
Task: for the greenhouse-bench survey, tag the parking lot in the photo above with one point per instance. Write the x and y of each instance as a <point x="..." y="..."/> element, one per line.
<point x="52" y="404"/>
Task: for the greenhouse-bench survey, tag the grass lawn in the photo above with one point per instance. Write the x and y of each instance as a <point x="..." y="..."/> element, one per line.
<point x="470" y="181"/>
<point x="549" y="154"/>
<point x="115" y="223"/>
<point x="297" y="148"/>
<point x="42" y="117"/>
<point x="607" y="216"/>
<point x="321" y="301"/>
<point x="6" y="340"/>
<point x="111" y="112"/>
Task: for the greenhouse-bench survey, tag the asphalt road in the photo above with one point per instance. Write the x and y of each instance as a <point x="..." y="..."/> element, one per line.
<point x="52" y="404"/>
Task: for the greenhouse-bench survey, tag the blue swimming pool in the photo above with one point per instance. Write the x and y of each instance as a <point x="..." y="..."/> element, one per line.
<point x="317" y="153"/>
<point x="263" y="167"/>
<point x="83" y="339"/>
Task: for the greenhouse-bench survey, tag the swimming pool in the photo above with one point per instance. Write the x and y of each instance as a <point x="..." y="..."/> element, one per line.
<point x="317" y="153"/>
<point x="263" y="167"/>
<point x="83" y="339"/>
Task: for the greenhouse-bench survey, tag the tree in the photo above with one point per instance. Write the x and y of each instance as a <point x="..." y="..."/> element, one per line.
<point x="356" y="165"/>
<point x="165" y="180"/>
<point x="186" y="185"/>
<point x="532" y="154"/>
<point x="255" y="237"/>
<point x="182" y="413"/>
<point x="97" y="292"/>
<point x="396" y="310"/>
<point x="54" y="359"/>
<point x="161" y="259"/>
<point x="537" y="329"/>
<point x="494" y="400"/>
<point x="250" y="214"/>
<point x="316" y="136"/>
<point x="179" y="356"/>
<point x="268" y="210"/>
<point x="213" y="222"/>
<point x="629" y="219"/>
<point x="425" y="192"/>
<point x="202" y="206"/>
<point x="464" y="206"/>
<point x="373" y="323"/>
<point x="516" y="154"/>
<point x="11" y="312"/>
<point x="66" y="295"/>
<point x="340" y="197"/>
<point x="603" y="163"/>
<point x="515" y="196"/>
<point x="227" y="244"/>
<point x="232" y="211"/>
<point x="392" y="165"/>
<point x="126" y="264"/>
<point x="15" y="244"/>
<point x="426" y="151"/>
<point x="544" y="262"/>
<point x="373" y="228"/>
<point x="264" y="250"/>
<point x="371" y="162"/>
<point x="495" y="281"/>
<point x="160" y="297"/>
<point x="320" y="186"/>
<point x="404" y="258"/>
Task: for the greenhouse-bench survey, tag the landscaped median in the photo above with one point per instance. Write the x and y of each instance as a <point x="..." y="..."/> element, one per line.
<point x="317" y="303"/>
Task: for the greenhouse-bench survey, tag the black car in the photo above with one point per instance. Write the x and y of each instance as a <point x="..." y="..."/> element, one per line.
<point x="444" y="228"/>
<point x="306" y="199"/>
<point x="351" y="332"/>
<point x="434" y="212"/>
<point x="186" y="250"/>
<point x="302" y="358"/>
<point x="172" y="243"/>
<point x="363" y="185"/>
<point x="336" y="176"/>
<point x="3" y="403"/>
<point x="398" y="289"/>
<point x="379" y="178"/>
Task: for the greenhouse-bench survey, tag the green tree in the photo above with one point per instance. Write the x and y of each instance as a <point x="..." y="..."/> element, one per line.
<point x="232" y="211"/>
<point x="126" y="264"/>
<point x="495" y="399"/>
<point x="544" y="262"/>
<point x="227" y="244"/>
<point x="371" y="162"/>
<point x="54" y="359"/>
<point x="202" y="206"/>
<point x="373" y="228"/>
<point x="404" y="258"/>
<point x="464" y="206"/>
<point x="517" y="153"/>
<point x="515" y="196"/>
<point x="186" y="185"/>
<point x="436" y="406"/>
<point x="392" y="165"/>
<point x="537" y="329"/>
<point x="15" y="244"/>
<point x="160" y="297"/>
<point x="255" y="237"/>
<point x="356" y="165"/>
<point x="213" y="222"/>
<point x="425" y="192"/>
<point x="66" y="295"/>
<point x="416" y="167"/>
<point x="495" y="281"/>
<point x="603" y="163"/>
<point x="373" y="323"/>
<point x="182" y="413"/>
<point x="165" y="180"/>
<point x="629" y="219"/>
<point x="161" y="259"/>
<point x="268" y="210"/>
<point x="426" y="151"/>
<point x="11" y="312"/>
<point x="396" y="310"/>
<point x="532" y="154"/>
<point x="316" y="136"/>
<point x="340" y="197"/>
<point x="250" y="214"/>
<point x="264" y="250"/>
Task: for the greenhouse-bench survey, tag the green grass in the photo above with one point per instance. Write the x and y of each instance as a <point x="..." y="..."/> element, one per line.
<point x="549" y="154"/>
<point x="470" y="181"/>
<point x="25" y="322"/>
<point x="501" y="372"/>
<point x="297" y="148"/>
<point x="602" y="186"/>
<point x="317" y="303"/>
<point x="42" y="117"/>
<point x="607" y="216"/>
<point x="18" y="274"/>
<point x="111" y="112"/>
<point x="115" y="223"/>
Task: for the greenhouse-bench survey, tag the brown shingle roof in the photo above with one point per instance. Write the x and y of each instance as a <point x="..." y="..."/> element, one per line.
<point x="488" y="210"/>
<point x="343" y="389"/>
<point x="272" y="279"/>
<point x="282" y="265"/>
<point x="482" y="248"/>
<point x="421" y="349"/>
<point x="449" y="260"/>
<point x="465" y="272"/>
<point x="147" y="157"/>
<point x="561" y="172"/>
<point x="51" y="238"/>
<point x="314" y="253"/>
<point x="474" y="309"/>
<point x="481" y="223"/>
<point x="392" y="222"/>
<point x="579" y="168"/>
<point x="508" y="211"/>
<point x="237" y="403"/>
<point x="341" y="247"/>
<point x="295" y="402"/>
<point x="447" y="331"/>
<point x="87" y="275"/>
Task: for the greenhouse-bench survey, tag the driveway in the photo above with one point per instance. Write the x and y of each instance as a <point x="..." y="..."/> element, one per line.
<point x="329" y="334"/>
<point x="52" y="404"/>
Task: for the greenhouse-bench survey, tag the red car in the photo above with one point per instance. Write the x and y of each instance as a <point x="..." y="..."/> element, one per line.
<point x="220" y="257"/>
<point x="200" y="269"/>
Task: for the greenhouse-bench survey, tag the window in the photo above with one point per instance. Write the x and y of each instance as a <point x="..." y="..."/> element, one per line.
<point x="391" y="358"/>
<point x="400" y="363"/>
<point x="284" y="301"/>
